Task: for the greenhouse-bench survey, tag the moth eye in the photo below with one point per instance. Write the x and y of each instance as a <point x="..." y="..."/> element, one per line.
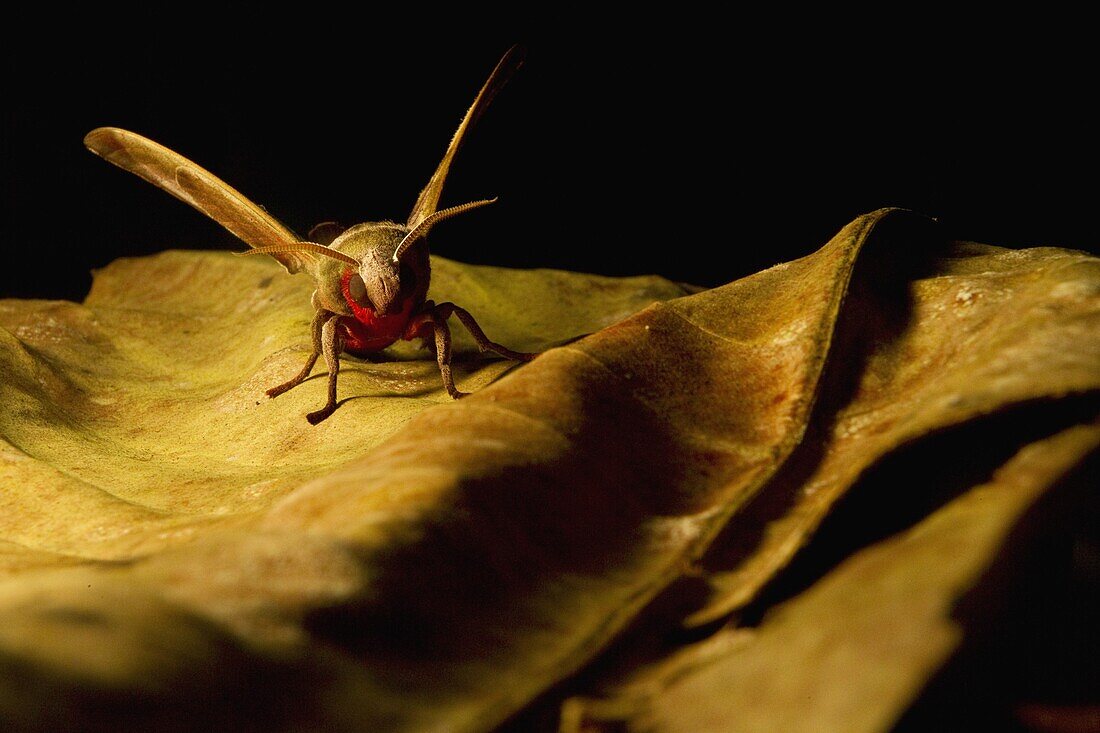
<point x="358" y="290"/>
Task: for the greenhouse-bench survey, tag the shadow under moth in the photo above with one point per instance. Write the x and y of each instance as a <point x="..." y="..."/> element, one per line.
<point x="371" y="279"/>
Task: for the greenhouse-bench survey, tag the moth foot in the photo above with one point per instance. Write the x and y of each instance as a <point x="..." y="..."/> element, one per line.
<point x="276" y="391"/>
<point x="319" y="415"/>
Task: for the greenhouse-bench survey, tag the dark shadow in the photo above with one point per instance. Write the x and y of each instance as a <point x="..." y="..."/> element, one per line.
<point x="460" y="370"/>
<point x="914" y="481"/>
<point x="1031" y="649"/>
<point x="218" y="685"/>
<point x="512" y="544"/>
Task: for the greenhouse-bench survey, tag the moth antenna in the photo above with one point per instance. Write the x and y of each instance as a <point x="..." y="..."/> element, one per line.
<point x="301" y="247"/>
<point x="422" y="228"/>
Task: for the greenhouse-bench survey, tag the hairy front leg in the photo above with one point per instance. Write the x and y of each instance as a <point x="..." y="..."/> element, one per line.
<point x="331" y="346"/>
<point x="443" y="352"/>
<point x="437" y="315"/>
<point x="315" y="327"/>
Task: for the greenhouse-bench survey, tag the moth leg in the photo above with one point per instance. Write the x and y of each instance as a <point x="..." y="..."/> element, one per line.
<point x="444" y="310"/>
<point x="443" y="352"/>
<point x="319" y="319"/>
<point x="331" y="346"/>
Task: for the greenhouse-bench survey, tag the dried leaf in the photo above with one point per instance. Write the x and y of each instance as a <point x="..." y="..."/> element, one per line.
<point x="415" y="563"/>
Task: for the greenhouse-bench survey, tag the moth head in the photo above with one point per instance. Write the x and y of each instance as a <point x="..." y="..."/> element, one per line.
<point x="379" y="282"/>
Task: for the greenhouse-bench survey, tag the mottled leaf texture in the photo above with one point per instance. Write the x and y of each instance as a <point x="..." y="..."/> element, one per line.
<point x="765" y="477"/>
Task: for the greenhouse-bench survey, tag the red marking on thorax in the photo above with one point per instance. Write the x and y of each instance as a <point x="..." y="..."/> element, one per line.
<point x="369" y="331"/>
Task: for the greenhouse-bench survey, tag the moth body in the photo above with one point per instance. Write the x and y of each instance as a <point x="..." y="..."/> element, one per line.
<point x="378" y="300"/>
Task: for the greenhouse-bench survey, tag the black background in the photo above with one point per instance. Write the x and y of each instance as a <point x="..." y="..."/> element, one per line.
<point x="680" y="145"/>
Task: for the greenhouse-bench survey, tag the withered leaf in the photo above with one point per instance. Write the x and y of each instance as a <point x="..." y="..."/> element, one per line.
<point x="415" y="563"/>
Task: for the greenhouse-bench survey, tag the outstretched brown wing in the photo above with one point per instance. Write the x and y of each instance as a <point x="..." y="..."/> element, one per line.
<point x="198" y="187"/>
<point x="428" y="200"/>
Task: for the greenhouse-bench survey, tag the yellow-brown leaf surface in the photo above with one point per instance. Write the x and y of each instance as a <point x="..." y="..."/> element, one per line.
<point x="178" y="551"/>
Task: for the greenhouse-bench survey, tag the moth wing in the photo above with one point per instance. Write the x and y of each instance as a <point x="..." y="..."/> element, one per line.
<point x="200" y="188"/>
<point x="428" y="200"/>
